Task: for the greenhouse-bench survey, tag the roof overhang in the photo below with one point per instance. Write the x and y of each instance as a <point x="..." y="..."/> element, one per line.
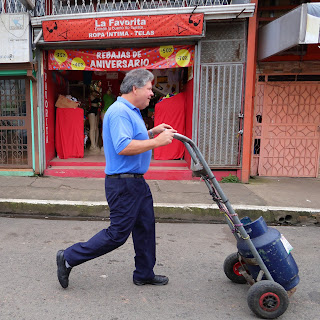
<point x="299" y="26"/>
<point x="231" y="11"/>
<point x="211" y="13"/>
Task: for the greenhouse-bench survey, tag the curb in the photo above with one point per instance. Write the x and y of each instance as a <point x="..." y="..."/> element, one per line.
<point x="164" y="212"/>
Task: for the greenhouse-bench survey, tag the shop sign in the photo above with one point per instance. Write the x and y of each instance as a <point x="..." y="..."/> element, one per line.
<point x="123" y="27"/>
<point x="122" y="59"/>
<point x="15" y="38"/>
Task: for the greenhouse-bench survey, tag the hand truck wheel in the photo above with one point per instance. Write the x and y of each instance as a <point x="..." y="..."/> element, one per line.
<point x="231" y="266"/>
<point x="267" y="299"/>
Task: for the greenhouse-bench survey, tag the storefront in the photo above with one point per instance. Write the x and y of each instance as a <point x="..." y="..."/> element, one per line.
<point x="286" y="139"/>
<point x="92" y="78"/>
<point x="19" y="145"/>
<point x="199" y="70"/>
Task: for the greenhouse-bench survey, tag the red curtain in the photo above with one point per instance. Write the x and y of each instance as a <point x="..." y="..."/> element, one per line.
<point x="171" y="111"/>
<point x="69" y="133"/>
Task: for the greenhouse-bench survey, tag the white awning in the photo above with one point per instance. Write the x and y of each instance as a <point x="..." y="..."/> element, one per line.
<point x="299" y="26"/>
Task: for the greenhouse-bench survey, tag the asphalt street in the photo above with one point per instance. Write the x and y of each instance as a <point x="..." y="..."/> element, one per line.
<point x="191" y="255"/>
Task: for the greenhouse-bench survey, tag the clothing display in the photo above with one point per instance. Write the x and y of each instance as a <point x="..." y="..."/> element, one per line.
<point x="172" y="112"/>
<point x="96" y="100"/>
<point x="69" y="135"/>
<point x="96" y="93"/>
<point x="93" y="109"/>
<point x="94" y="115"/>
<point x="108" y="100"/>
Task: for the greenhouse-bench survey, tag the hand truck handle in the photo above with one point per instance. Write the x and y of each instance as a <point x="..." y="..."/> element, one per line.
<point x="199" y="162"/>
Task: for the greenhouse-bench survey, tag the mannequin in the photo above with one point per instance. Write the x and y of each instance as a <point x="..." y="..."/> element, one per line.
<point x="108" y="100"/>
<point x="94" y="115"/>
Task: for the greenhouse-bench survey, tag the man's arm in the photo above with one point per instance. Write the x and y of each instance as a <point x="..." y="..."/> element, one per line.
<point x="140" y="146"/>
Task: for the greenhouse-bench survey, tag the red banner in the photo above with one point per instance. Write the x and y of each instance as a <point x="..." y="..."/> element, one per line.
<point x="123" y="27"/>
<point x="122" y="59"/>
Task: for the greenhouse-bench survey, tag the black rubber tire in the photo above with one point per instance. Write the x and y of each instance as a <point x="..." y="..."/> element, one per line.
<point x="230" y="265"/>
<point x="267" y="299"/>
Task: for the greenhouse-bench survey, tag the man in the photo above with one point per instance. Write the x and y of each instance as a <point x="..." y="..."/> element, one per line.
<point x="128" y="148"/>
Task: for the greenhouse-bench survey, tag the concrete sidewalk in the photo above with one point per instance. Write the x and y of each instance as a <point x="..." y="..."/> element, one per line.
<point x="279" y="200"/>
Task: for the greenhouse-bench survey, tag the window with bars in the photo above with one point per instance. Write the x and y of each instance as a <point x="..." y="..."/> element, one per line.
<point x="13" y="123"/>
<point x="12" y="98"/>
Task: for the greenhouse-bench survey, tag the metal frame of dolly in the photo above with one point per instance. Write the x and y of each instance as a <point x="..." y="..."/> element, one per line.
<point x="202" y="170"/>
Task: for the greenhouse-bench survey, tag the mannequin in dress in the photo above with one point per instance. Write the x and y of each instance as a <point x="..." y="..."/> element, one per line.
<point x="108" y="100"/>
<point x="94" y="115"/>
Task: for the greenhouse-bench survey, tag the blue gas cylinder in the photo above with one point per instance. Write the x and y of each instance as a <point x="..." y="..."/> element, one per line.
<point x="274" y="250"/>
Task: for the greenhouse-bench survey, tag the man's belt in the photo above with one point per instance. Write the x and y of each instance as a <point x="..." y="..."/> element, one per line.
<point x="124" y="175"/>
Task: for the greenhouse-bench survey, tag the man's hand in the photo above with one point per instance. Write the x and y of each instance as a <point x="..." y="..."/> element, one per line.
<point x="161" y="127"/>
<point x="165" y="137"/>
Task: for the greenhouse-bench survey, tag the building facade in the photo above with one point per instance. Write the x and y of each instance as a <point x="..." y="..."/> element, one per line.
<point x="19" y="121"/>
<point x="286" y="122"/>
<point x="76" y="44"/>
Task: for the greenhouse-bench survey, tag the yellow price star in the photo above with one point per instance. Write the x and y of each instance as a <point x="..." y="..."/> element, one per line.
<point x="78" y="64"/>
<point x="183" y="57"/>
<point x="166" y="51"/>
<point x="60" y="55"/>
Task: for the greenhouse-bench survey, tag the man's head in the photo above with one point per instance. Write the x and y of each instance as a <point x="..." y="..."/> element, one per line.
<point x="136" y="87"/>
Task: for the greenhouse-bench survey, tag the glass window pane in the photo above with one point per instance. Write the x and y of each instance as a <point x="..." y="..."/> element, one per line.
<point x="12" y="98"/>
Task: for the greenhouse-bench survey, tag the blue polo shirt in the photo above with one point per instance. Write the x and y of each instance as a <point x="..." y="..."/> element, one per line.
<point x="123" y="123"/>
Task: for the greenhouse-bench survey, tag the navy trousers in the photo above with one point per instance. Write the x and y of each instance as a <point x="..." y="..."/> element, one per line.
<point x="131" y="210"/>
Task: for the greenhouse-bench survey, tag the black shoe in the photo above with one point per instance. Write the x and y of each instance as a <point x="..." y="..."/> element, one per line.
<point x="63" y="271"/>
<point x="156" y="281"/>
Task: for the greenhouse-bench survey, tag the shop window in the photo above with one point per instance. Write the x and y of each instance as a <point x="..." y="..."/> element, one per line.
<point x="12" y="98"/>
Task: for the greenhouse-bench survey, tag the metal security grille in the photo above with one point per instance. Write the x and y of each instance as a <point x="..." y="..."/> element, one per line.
<point x="219" y="107"/>
<point x="86" y="6"/>
<point x="219" y="110"/>
<point x="14" y="124"/>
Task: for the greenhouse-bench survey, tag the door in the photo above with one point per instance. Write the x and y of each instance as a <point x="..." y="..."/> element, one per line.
<point x="220" y="114"/>
<point x="290" y="130"/>
<point x="15" y="124"/>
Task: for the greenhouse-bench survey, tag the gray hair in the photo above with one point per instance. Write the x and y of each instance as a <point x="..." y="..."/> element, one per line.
<point x="137" y="78"/>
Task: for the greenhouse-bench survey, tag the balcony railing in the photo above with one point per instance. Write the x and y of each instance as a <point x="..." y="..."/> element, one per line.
<point x="87" y="6"/>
